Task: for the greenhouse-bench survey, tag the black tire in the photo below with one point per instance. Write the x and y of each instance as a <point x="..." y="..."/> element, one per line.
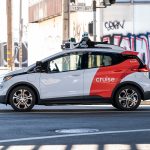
<point x="22" y="98"/>
<point x="127" y="98"/>
<point x="114" y="104"/>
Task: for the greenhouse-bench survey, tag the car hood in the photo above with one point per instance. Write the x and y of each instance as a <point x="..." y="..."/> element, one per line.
<point x="20" y="71"/>
<point x="3" y="74"/>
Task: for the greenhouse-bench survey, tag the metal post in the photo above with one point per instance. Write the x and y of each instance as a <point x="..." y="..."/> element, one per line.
<point x="1" y="59"/>
<point x="2" y="53"/>
<point x="20" y="35"/>
<point x="68" y="19"/>
<point x="9" y="34"/>
<point x="132" y="3"/>
<point x="101" y="23"/>
<point x="65" y="20"/>
<point x="94" y="20"/>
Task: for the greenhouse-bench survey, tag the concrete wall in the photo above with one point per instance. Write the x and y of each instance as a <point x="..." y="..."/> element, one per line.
<point x="125" y="25"/>
<point x="128" y="27"/>
<point x="44" y="39"/>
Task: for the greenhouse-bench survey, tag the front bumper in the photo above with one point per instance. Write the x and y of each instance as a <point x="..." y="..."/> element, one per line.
<point x="3" y="99"/>
<point x="147" y="95"/>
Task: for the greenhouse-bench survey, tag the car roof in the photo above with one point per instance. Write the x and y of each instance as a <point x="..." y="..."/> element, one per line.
<point x="108" y="50"/>
<point x="99" y="48"/>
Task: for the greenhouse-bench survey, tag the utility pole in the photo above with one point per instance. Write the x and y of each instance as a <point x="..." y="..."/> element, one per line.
<point x="94" y="20"/>
<point x="65" y="20"/>
<point x="1" y="55"/>
<point x="9" y="34"/>
<point x="105" y="3"/>
<point x="20" y="35"/>
<point x="132" y="3"/>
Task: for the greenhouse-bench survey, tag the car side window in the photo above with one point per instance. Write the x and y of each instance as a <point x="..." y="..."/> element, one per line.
<point x="100" y="59"/>
<point x="65" y="63"/>
<point x="106" y="60"/>
<point x="94" y="60"/>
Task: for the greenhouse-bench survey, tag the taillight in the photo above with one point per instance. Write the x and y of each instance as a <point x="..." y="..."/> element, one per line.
<point x="144" y="68"/>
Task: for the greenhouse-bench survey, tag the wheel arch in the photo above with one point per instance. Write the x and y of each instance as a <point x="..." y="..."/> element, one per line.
<point x="128" y="83"/>
<point x="35" y="90"/>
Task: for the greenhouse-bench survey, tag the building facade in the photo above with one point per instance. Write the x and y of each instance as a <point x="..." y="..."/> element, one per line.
<point x="125" y="24"/>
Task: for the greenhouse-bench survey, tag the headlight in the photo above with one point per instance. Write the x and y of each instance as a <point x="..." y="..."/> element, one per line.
<point x="7" y="78"/>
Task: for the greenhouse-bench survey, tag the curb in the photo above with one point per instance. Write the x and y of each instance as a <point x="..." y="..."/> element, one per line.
<point x="145" y="102"/>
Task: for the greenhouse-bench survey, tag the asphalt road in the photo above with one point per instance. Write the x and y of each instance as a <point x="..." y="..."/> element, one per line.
<point x="85" y="127"/>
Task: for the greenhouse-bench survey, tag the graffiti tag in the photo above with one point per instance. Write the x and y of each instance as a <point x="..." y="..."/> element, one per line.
<point x="76" y="31"/>
<point x="114" y="25"/>
<point x="3" y="52"/>
<point x="139" y="43"/>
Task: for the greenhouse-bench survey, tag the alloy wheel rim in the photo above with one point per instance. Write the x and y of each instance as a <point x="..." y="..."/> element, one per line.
<point x="22" y="99"/>
<point x="128" y="98"/>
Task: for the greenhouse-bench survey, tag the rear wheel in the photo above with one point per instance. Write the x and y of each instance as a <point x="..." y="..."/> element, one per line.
<point x="22" y="98"/>
<point x="114" y="104"/>
<point x="127" y="98"/>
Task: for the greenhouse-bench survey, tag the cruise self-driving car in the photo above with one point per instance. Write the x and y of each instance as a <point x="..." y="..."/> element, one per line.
<point x="96" y="74"/>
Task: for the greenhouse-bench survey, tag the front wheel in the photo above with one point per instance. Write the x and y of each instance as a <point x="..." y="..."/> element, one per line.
<point x="22" y="98"/>
<point x="127" y="98"/>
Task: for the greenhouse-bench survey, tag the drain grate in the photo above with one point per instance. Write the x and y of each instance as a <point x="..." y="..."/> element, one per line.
<point x="74" y="131"/>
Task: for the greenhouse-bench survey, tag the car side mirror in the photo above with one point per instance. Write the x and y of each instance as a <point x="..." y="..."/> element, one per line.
<point x="39" y="66"/>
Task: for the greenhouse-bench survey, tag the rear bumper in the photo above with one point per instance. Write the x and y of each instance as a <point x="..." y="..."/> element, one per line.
<point x="3" y="99"/>
<point x="147" y="95"/>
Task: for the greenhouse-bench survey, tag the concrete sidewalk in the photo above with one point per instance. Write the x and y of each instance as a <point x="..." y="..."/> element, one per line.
<point x="145" y="102"/>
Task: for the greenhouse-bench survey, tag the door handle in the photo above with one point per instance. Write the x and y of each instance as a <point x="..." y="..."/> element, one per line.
<point x="118" y="71"/>
<point x="76" y="75"/>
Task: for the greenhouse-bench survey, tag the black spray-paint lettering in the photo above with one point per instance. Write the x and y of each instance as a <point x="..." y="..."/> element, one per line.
<point x="114" y="25"/>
